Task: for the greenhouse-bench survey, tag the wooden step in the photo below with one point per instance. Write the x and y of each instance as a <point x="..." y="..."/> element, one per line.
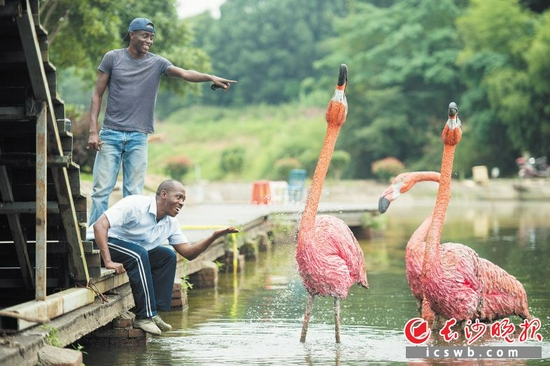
<point x="74" y="178"/>
<point x="93" y="259"/>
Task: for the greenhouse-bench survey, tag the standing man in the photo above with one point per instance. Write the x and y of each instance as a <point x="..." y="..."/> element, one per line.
<point x="132" y="75"/>
<point x="129" y="236"/>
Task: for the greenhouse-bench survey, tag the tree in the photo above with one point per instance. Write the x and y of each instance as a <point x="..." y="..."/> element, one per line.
<point x="530" y="129"/>
<point x="505" y="69"/>
<point x="80" y="32"/>
<point x="403" y="74"/>
<point x="538" y="6"/>
<point x="268" y="46"/>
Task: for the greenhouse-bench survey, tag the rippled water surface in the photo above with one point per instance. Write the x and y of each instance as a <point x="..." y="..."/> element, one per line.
<point x="255" y="317"/>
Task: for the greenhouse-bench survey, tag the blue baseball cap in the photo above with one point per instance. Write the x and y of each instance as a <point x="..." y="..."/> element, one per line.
<point x="138" y="24"/>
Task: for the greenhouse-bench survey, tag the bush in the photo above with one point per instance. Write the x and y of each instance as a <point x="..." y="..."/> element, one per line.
<point x="232" y="160"/>
<point x="340" y="159"/>
<point x="178" y="166"/>
<point x="308" y="160"/>
<point x="387" y="168"/>
<point x="284" y="166"/>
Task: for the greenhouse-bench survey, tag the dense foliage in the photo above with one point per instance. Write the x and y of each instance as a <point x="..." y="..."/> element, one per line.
<point x="407" y="59"/>
<point x="403" y="76"/>
<point x="270" y="47"/>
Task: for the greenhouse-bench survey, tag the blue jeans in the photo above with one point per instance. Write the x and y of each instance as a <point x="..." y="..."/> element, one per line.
<point x="119" y="147"/>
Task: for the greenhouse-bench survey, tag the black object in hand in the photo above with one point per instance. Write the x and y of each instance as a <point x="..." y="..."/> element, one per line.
<point x="214" y="86"/>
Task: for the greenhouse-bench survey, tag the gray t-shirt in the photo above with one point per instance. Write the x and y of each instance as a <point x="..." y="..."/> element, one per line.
<point x="133" y="87"/>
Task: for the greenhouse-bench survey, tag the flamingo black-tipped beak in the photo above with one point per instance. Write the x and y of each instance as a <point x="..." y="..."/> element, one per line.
<point x="453" y="109"/>
<point x="383" y="204"/>
<point x="343" y="76"/>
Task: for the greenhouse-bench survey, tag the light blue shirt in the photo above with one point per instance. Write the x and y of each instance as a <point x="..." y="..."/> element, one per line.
<point x="134" y="219"/>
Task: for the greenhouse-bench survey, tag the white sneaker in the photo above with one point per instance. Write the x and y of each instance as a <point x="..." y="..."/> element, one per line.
<point x="147" y="325"/>
<point x="165" y="327"/>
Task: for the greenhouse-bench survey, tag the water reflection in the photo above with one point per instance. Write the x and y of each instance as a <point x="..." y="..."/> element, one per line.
<point x="256" y="317"/>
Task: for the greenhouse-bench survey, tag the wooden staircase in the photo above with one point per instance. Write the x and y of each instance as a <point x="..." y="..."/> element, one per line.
<point x="43" y="213"/>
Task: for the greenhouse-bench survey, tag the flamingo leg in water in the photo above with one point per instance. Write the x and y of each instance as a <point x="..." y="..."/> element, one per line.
<point x="309" y="306"/>
<point x="337" y="319"/>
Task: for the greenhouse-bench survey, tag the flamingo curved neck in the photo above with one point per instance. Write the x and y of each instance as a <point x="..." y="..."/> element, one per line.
<point x="425" y="176"/>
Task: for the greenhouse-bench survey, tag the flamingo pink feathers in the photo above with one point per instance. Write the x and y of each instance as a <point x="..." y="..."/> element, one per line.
<point x="329" y="257"/>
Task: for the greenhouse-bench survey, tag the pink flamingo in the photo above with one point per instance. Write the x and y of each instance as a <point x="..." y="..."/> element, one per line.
<point x="451" y="282"/>
<point x="329" y="257"/>
<point x="459" y="284"/>
<point x="414" y="252"/>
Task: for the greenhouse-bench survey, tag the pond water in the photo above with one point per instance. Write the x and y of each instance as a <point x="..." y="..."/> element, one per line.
<point x="255" y="317"/>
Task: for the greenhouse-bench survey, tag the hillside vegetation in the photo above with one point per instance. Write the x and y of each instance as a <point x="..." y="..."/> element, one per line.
<point x="267" y="136"/>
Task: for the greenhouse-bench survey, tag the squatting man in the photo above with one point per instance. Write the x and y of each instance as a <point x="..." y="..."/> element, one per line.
<point x="130" y="235"/>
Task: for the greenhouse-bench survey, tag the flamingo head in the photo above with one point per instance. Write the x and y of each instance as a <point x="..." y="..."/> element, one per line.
<point x="337" y="109"/>
<point x="401" y="184"/>
<point x="452" y="133"/>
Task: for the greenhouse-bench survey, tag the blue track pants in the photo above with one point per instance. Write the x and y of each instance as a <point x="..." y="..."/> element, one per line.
<point x="151" y="275"/>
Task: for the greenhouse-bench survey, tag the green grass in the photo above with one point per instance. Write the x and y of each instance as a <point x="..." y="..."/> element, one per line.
<point x="266" y="133"/>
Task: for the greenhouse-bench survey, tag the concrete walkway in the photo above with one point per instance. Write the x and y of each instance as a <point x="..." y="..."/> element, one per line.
<point x="199" y="220"/>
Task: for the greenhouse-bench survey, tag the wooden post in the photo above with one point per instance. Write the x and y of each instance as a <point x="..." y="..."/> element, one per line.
<point x="41" y="204"/>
